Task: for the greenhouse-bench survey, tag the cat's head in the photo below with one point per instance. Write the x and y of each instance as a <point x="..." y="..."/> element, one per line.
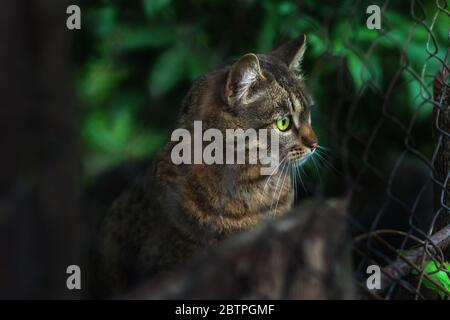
<point x="268" y="91"/>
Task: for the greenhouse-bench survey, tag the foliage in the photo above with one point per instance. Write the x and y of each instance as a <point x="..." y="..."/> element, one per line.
<point x="137" y="59"/>
<point x="438" y="275"/>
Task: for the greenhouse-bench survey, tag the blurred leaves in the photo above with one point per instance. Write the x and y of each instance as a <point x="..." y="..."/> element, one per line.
<point x="104" y="19"/>
<point x="128" y="39"/>
<point x="152" y="7"/>
<point x="438" y="275"/>
<point x="100" y="78"/>
<point x="113" y="140"/>
<point x="364" y="71"/>
<point x="138" y="59"/>
<point x="167" y="71"/>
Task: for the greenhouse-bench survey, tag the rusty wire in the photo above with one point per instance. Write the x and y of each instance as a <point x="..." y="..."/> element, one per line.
<point x="377" y="250"/>
<point x="369" y="245"/>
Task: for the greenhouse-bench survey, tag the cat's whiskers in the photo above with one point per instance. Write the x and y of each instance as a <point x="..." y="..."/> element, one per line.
<point x="320" y="147"/>
<point x="322" y="158"/>
<point x="325" y="152"/>
<point x="297" y="167"/>
<point x="288" y="170"/>
<point x="294" y="183"/>
<point x="272" y="174"/>
<point x="286" y="165"/>
<point x="316" y="167"/>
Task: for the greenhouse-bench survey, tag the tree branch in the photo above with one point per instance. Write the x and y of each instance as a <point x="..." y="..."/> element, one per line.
<point x="301" y="256"/>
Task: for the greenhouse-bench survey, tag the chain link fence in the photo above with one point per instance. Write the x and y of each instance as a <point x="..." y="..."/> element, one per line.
<point x="382" y="116"/>
<point x="388" y="155"/>
<point x="396" y="165"/>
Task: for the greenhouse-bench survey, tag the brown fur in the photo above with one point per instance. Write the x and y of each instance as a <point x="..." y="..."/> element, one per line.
<point x="176" y="210"/>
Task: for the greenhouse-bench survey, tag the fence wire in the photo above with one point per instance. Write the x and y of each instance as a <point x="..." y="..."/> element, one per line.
<point x="390" y="223"/>
<point x="396" y="179"/>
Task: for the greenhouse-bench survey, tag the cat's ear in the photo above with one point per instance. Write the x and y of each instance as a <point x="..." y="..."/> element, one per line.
<point x="243" y="74"/>
<point x="292" y="52"/>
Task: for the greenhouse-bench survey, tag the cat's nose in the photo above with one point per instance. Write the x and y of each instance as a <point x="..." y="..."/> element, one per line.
<point x="308" y="138"/>
<point x="310" y="142"/>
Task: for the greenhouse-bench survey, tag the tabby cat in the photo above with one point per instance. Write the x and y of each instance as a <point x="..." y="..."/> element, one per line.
<point x="176" y="210"/>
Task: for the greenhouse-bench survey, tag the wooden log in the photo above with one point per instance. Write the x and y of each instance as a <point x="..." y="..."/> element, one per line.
<point x="304" y="255"/>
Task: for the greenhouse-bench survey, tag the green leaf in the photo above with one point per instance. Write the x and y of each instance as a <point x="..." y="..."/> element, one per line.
<point x="197" y="66"/>
<point x="102" y="20"/>
<point x="364" y="71"/>
<point x="152" y="7"/>
<point x="98" y="80"/>
<point x="285" y="8"/>
<point x="199" y="62"/>
<point x="114" y="138"/>
<point x="266" y="36"/>
<point x="364" y="34"/>
<point x="417" y="94"/>
<point x="167" y="71"/>
<point x="340" y="34"/>
<point x="355" y="66"/>
<point x="109" y="134"/>
<point x="142" y="37"/>
<point x="317" y="46"/>
<point x="441" y="277"/>
<point x="145" y="143"/>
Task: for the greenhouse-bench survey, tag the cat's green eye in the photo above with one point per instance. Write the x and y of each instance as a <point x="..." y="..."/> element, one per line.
<point x="283" y="123"/>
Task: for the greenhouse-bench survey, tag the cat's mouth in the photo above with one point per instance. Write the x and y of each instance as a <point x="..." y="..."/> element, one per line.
<point x="299" y="156"/>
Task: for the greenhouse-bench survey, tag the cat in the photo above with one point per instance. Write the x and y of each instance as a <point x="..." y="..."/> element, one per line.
<point x="175" y="211"/>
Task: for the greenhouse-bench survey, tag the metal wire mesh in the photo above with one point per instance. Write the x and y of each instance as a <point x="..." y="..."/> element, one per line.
<point x="398" y="192"/>
<point x="389" y="221"/>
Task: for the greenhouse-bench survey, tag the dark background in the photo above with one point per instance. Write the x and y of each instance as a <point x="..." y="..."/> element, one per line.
<point x="83" y="111"/>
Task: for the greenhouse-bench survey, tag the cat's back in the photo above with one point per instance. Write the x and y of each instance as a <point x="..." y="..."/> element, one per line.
<point x="136" y="238"/>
